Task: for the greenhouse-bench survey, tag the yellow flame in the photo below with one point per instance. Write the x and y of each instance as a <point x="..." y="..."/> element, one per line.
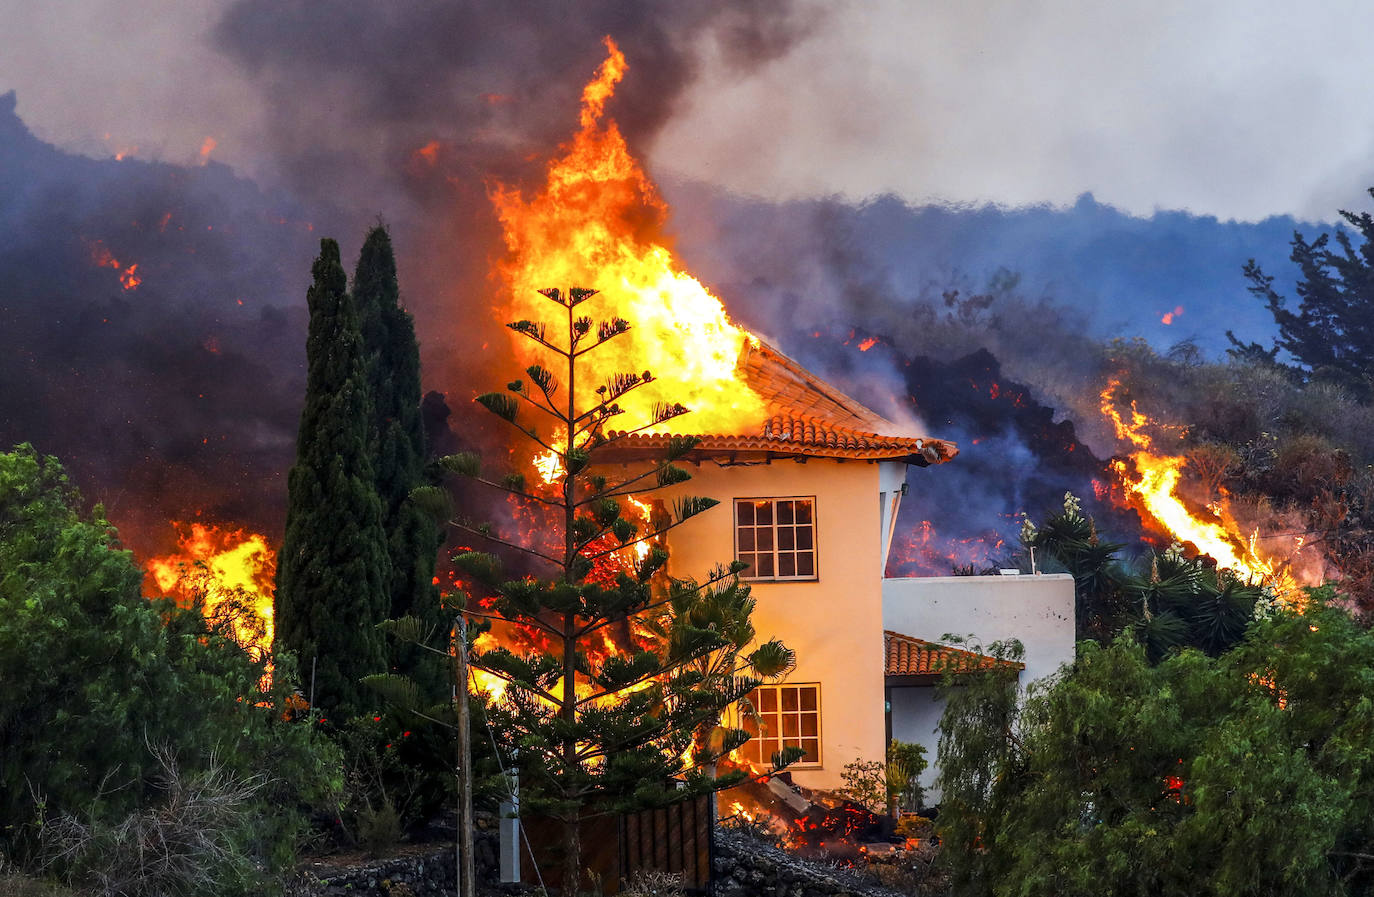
<point x="1154" y="484"/>
<point x="216" y="561"/>
<point x="597" y="223"/>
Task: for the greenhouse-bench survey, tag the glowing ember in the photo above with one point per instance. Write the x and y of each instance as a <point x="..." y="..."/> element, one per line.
<point x="101" y="257"/>
<point x="1152" y="480"/>
<point x="597" y="223"/>
<point x="215" y="564"/>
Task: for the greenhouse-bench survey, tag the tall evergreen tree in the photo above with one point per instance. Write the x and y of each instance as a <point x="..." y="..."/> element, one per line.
<point x="334" y="569"/>
<point x="393" y="372"/>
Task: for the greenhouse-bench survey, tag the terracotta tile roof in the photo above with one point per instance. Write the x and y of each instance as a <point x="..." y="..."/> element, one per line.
<point x="908" y="656"/>
<point x="810" y="418"/>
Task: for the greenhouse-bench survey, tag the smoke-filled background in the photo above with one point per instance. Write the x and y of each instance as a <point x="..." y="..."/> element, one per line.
<point x="947" y="212"/>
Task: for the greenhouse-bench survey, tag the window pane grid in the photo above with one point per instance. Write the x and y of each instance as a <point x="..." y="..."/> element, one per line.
<point x="784" y="716"/>
<point x="776" y="537"/>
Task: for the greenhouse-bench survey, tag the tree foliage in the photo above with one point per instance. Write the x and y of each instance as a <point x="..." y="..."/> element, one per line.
<point x="333" y="574"/>
<point x="1331" y="332"/>
<point x="1173" y="603"/>
<point x="393" y="375"/>
<point x="1244" y="773"/>
<point x="101" y="689"/>
<point x="595" y="729"/>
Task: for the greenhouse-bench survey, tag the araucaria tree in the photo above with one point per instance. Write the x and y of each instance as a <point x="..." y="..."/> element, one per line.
<point x="334" y="570"/>
<point x="393" y="375"/>
<point x="601" y="730"/>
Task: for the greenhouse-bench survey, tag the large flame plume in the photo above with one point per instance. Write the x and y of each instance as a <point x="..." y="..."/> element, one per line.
<point x="215" y="564"/>
<point x="1151" y="479"/>
<point x="597" y="223"/>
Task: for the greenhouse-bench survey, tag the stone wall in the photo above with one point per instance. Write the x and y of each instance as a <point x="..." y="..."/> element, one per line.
<point x="746" y="867"/>
<point x="422" y="871"/>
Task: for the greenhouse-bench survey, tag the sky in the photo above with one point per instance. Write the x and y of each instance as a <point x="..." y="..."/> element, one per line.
<point x="1227" y="108"/>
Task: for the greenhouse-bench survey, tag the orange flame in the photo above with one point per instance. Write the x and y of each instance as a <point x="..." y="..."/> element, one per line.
<point x="597" y="223"/>
<point x="1170" y="315"/>
<point x="101" y="257"/>
<point x="207" y="148"/>
<point x="217" y="562"/>
<point x="1152" y="480"/>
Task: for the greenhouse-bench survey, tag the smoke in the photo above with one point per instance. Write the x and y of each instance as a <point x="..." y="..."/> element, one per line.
<point x="414" y="110"/>
<point x="170" y="391"/>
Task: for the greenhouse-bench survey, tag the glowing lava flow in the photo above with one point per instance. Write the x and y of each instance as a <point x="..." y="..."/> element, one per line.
<point x="214" y="565"/>
<point x="1153" y="483"/>
<point x="597" y="223"/>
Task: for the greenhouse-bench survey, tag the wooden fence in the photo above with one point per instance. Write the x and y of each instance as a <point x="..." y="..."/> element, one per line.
<point x="678" y="838"/>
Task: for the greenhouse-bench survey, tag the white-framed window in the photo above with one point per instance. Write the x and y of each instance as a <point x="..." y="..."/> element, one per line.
<point x="783" y="716"/>
<point x="776" y="537"/>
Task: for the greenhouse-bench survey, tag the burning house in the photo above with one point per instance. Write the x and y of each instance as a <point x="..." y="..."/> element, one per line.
<point x="809" y="479"/>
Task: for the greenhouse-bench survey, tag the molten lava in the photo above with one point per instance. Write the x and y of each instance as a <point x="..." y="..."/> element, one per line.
<point x="218" y="566"/>
<point x="1151" y="480"/>
<point x="597" y="222"/>
<point x="101" y="257"/>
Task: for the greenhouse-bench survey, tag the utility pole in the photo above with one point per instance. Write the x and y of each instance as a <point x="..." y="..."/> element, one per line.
<point x="465" y="868"/>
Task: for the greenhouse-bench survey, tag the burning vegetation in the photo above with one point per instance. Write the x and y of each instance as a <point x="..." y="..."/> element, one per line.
<point x="227" y="573"/>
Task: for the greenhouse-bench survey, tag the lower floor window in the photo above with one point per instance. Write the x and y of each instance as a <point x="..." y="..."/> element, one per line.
<point x="783" y="716"/>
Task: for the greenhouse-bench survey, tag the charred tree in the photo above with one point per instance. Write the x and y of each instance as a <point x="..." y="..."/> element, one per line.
<point x="334" y="569"/>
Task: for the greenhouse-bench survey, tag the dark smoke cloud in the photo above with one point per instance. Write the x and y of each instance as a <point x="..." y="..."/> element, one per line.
<point x="180" y="395"/>
<point x="353" y="92"/>
<point x="986" y="325"/>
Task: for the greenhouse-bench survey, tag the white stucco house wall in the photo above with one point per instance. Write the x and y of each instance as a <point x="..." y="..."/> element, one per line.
<point x="810" y="502"/>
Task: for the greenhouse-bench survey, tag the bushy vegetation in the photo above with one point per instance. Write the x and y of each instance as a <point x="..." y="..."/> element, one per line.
<point x="1244" y="772"/>
<point x="102" y="691"/>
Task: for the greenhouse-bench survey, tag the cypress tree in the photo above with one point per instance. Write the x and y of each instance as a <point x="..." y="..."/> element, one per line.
<point x="393" y="372"/>
<point x="334" y="568"/>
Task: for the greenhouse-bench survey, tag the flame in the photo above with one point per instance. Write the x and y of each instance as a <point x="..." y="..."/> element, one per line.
<point x="216" y="562"/>
<point x="207" y="148"/>
<point x="597" y="223"/>
<point x="1152" y="480"/>
<point x="1170" y="315"/>
<point x="101" y="257"/>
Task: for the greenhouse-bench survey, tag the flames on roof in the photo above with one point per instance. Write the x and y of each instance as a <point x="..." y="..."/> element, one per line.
<point x="807" y="417"/>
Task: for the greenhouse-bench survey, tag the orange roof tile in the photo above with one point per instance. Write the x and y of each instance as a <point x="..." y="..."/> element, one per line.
<point x="809" y="418"/>
<point x="908" y="656"/>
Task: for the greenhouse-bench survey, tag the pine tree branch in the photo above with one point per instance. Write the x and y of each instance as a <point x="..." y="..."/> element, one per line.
<point x="547" y="409"/>
<point x="533" y="621"/>
<point x="644" y="538"/>
<point x="653" y="605"/>
<point x="664" y="671"/>
<point x="530" y="433"/>
<point x="513" y="491"/>
<point x="536" y="334"/>
<point x="498" y="540"/>
<point x="604" y="335"/>
<point x="612" y="491"/>
<point x="520" y="683"/>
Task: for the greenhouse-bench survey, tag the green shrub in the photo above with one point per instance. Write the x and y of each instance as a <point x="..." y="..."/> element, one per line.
<point x="93" y="675"/>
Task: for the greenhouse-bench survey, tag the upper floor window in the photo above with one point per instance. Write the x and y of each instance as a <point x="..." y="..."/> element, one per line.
<point x="776" y="537"/>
